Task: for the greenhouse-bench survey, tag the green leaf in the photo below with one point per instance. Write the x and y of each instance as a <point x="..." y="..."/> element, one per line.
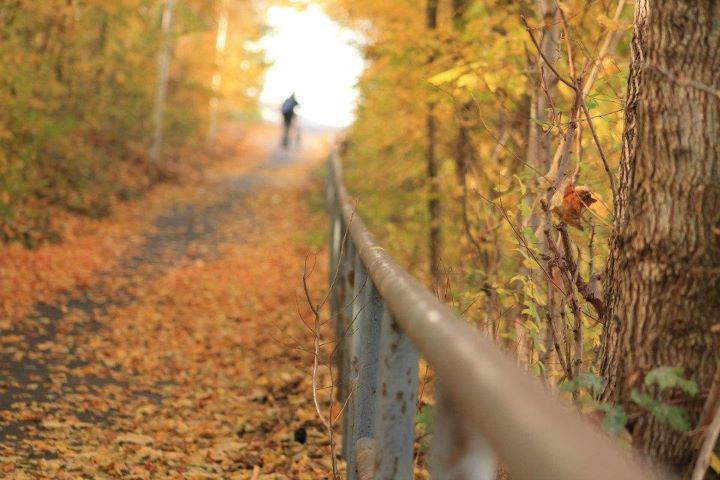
<point x="591" y="103"/>
<point x="529" y="234"/>
<point x="588" y="381"/>
<point x="523" y="189"/>
<point x="615" y="418"/>
<point x="500" y="188"/>
<point x="531" y="310"/>
<point x="644" y="400"/>
<point x="525" y="210"/>
<point x="669" y="377"/>
<point x="678" y="418"/>
<point x="425" y="417"/>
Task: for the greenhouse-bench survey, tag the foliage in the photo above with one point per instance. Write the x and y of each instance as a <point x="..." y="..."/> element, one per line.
<point x="586" y="381"/>
<point x="669" y="377"/>
<point x="78" y="86"/>
<point x="481" y="72"/>
<point x="527" y="98"/>
<point x="614" y="417"/>
<point x="666" y="378"/>
<point x="677" y="417"/>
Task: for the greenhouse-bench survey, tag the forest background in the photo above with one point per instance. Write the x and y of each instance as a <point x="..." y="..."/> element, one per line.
<point x="485" y="155"/>
<point x="80" y="91"/>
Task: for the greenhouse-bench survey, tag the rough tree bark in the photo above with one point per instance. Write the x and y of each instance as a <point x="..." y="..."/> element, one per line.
<point x="662" y="288"/>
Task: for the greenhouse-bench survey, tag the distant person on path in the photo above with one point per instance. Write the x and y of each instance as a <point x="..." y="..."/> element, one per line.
<point x="288" y="113"/>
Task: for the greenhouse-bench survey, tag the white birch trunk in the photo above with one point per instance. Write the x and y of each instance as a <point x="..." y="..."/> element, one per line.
<point x="162" y="84"/>
<point x="220" y="44"/>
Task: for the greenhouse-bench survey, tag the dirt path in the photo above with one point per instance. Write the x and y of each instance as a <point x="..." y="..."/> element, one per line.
<point x="185" y="360"/>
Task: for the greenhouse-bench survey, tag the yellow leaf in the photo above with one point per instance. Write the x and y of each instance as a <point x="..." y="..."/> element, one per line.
<point x="493" y="80"/>
<point x="715" y="463"/>
<point x="455" y="73"/>
<point x="468" y="80"/>
<point x="447" y="75"/>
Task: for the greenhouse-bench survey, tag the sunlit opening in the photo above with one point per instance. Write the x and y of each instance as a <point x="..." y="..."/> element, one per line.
<point x="315" y="58"/>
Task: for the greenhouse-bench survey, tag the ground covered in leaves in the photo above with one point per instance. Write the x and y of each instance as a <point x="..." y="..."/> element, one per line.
<point x="166" y="342"/>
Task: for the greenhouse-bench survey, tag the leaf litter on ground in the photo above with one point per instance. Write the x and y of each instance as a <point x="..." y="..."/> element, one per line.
<point x="180" y="354"/>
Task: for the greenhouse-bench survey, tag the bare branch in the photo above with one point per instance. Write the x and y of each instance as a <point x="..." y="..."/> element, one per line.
<point x="606" y="164"/>
<point x="588" y="293"/>
<point x="708" y="445"/>
<point x="542" y="55"/>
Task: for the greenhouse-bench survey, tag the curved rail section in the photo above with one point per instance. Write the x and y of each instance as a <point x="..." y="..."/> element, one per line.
<point x="486" y="405"/>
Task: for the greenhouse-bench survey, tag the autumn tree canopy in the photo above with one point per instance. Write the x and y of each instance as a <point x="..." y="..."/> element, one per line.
<point x="79" y="80"/>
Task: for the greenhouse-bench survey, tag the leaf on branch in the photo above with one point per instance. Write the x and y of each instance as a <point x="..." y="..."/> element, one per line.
<point x="425" y="417"/>
<point x="575" y="200"/>
<point x="588" y="381"/>
<point x="669" y="377"/>
<point x="643" y="399"/>
<point x="615" y="418"/>
<point x="715" y="463"/>
<point x="456" y="73"/>
<point x="677" y="417"/>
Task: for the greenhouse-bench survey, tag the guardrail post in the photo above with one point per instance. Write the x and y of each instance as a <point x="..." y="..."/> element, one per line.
<point x="336" y="238"/>
<point x="365" y="352"/>
<point x="456" y="453"/>
<point x="353" y="342"/>
<point x="342" y="335"/>
<point x="397" y="397"/>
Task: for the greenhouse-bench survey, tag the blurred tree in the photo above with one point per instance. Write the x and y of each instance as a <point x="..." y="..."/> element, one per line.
<point x="163" y="74"/>
<point x="435" y="232"/>
<point x="77" y="90"/>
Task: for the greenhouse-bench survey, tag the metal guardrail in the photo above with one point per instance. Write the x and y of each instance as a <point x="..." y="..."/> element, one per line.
<point x="486" y="406"/>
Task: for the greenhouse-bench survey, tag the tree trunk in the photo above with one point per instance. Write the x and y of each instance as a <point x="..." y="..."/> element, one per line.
<point x="434" y="239"/>
<point x="539" y="144"/>
<point x="539" y="153"/>
<point x="220" y="43"/>
<point x="662" y="287"/>
<point x="162" y="82"/>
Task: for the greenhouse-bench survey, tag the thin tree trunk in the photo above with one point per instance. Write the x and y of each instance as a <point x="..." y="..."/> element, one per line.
<point x="162" y="83"/>
<point x="462" y="111"/>
<point x="540" y="143"/>
<point x="220" y="43"/>
<point x="662" y="288"/>
<point x="550" y="44"/>
<point x="434" y="234"/>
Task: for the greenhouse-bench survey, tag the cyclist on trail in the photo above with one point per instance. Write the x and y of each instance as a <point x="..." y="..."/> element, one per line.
<point x="288" y="112"/>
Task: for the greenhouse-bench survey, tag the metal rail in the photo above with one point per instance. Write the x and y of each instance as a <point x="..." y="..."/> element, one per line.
<point x="486" y="405"/>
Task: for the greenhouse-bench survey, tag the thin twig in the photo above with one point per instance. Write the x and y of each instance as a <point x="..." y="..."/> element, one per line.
<point x="706" y="451"/>
<point x="605" y="162"/>
<point x="545" y="59"/>
<point x="585" y="289"/>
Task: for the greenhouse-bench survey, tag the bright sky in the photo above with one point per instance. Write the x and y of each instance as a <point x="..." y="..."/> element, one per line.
<point x="313" y="57"/>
